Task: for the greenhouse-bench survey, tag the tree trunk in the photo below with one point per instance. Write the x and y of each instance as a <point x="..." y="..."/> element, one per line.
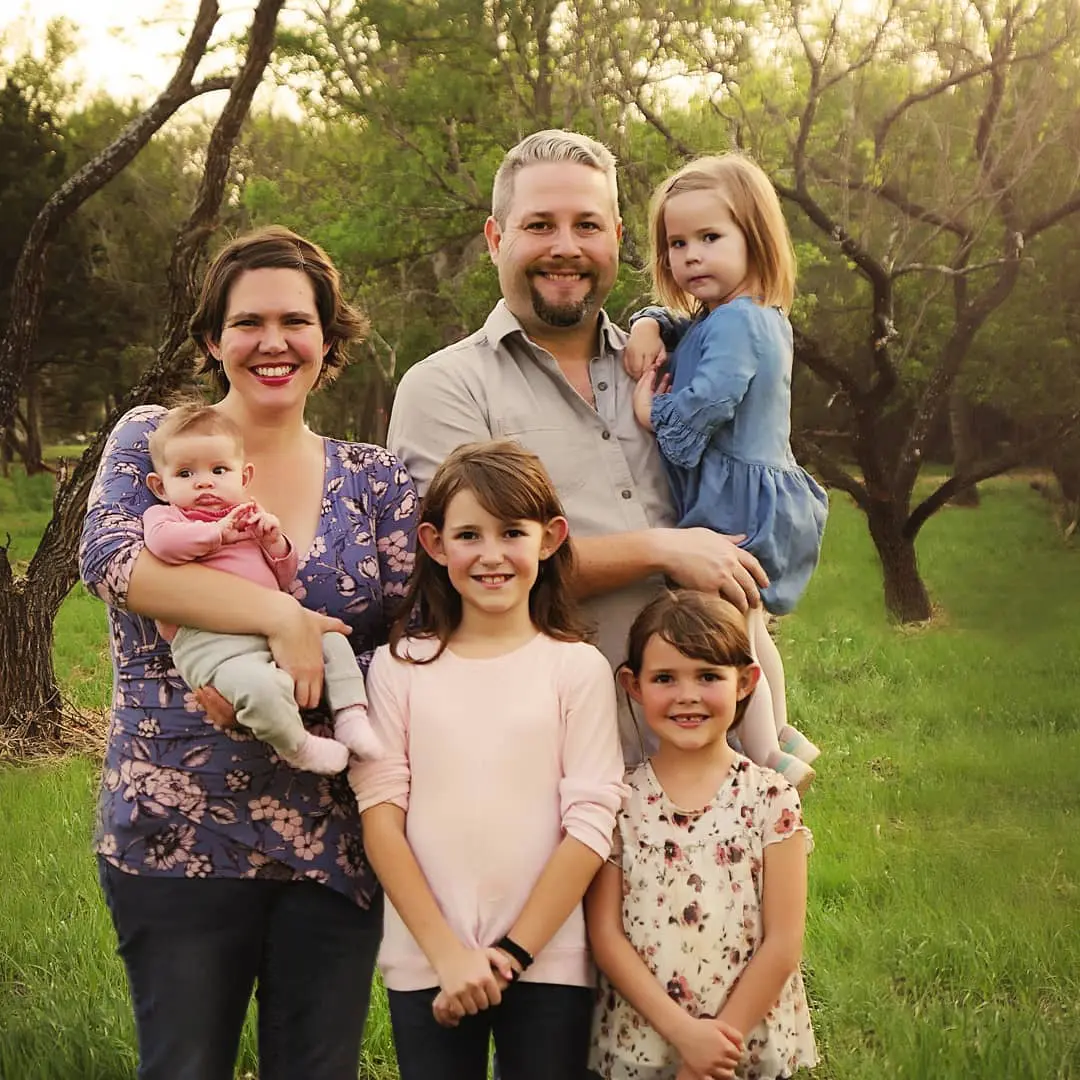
<point x="965" y="449"/>
<point x="28" y="605"/>
<point x="906" y="598"/>
<point x="32" y="704"/>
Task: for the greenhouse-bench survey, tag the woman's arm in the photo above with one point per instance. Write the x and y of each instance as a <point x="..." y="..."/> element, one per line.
<point x="784" y="921"/>
<point x="115" y="565"/>
<point x="703" y="1045"/>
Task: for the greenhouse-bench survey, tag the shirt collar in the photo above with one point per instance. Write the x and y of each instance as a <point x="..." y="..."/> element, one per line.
<point x="502" y="322"/>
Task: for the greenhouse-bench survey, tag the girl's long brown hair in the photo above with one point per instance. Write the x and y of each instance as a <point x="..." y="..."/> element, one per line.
<point x="511" y="484"/>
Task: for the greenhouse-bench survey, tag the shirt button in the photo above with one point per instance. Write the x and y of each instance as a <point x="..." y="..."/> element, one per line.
<point x="627" y="493"/>
<point x="605" y="435"/>
<point x="601" y="386"/>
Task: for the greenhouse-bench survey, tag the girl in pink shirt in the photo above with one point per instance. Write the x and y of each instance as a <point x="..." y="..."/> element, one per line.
<point x="494" y="804"/>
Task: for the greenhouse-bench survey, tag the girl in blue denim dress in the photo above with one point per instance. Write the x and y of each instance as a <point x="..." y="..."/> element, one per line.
<point x="722" y="416"/>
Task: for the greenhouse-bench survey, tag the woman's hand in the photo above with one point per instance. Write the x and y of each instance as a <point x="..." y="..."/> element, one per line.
<point x="296" y="645"/>
<point x="708" y="1048"/>
<point x="644" y="349"/>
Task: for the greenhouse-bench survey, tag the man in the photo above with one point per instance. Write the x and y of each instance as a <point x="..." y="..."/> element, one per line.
<point x="546" y="369"/>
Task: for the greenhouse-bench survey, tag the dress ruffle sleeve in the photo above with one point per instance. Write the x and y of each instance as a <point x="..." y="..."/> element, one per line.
<point x="686" y="421"/>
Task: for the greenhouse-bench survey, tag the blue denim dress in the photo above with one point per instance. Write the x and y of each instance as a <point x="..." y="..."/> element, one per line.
<point x="724" y="431"/>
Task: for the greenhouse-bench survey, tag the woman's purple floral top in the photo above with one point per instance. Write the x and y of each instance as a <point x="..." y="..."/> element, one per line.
<point x="180" y="797"/>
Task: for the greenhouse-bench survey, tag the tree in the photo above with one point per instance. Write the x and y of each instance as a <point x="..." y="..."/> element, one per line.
<point x="28" y="604"/>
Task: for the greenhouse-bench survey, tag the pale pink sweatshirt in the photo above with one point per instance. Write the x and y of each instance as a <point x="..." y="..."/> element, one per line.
<point x="178" y="536"/>
<point x="494" y="761"/>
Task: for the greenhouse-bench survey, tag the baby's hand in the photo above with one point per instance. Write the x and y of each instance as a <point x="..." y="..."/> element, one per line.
<point x="235" y="524"/>
<point x="644" y="393"/>
<point x="266" y="528"/>
<point x="645" y="349"/>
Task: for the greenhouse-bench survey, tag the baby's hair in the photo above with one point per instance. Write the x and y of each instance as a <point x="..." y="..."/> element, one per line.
<point x="274" y="247"/>
<point x="511" y="484"/>
<point x="700" y="625"/>
<point x="754" y="206"/>
<point x="191" y="419"/>
<point x="551" y="147"/>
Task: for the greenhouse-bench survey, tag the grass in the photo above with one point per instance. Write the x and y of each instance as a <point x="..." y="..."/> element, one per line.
<point x="942" y="935"/>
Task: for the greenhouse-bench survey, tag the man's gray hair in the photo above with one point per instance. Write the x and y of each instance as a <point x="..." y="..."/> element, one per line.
<point x="547" y="148"/>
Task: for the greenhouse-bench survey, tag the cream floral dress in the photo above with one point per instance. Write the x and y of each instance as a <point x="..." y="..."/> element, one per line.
<point x="692" y="884"/>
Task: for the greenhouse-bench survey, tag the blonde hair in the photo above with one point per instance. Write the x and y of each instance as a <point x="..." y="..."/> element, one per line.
<point x="192" y="419"/>
<point x="754" y="207"/>
<point x="546" y="148"/>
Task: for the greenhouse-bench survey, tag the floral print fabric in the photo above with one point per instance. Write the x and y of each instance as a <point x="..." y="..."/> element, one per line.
<point x="692" y="903"/>
<point x="180" y="797"/>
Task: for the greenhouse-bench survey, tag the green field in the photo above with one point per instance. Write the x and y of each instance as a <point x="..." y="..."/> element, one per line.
<point x="944" y="921"/>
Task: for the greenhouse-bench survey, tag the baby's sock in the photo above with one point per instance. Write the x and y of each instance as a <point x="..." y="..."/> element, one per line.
<point x="352" y="727"/>
<point x="318" y="755"/>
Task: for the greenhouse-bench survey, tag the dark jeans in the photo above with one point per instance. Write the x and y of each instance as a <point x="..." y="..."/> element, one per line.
<point x="195" y="948"/>
<point x="541" y="1033"/>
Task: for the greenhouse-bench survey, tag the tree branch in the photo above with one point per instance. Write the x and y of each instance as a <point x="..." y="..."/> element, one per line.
<point x="829" y="469"/>
<point x="994" y="467"/>
<point x="28" y="284"/>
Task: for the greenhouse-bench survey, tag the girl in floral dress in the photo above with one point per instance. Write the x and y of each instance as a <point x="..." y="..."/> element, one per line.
<point x="696" y="920"/>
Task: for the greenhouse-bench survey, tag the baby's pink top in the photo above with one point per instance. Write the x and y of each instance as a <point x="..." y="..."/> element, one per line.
<point x="178" y="536"/>
<point x="494" y="761"/>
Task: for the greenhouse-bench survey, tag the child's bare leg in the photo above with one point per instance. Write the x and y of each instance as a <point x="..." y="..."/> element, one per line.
<point x="759" y="729"/>
<point x="772" y="666"/>
<point x="792" y="741"/>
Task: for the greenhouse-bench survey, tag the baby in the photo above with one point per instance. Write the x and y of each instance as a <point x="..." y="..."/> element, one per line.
<point x="200" y="472"/>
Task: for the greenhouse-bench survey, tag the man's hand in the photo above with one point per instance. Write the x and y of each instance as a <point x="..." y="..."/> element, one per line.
<point x="644" y="349"/>
<point x="701" y="559"/>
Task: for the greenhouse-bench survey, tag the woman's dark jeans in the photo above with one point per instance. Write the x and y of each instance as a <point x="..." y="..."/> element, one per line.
<point x="541" y="1033"/>
<point x="195" y="948"/>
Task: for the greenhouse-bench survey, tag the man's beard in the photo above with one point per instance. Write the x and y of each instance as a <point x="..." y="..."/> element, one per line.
<point x="563" y="315"/>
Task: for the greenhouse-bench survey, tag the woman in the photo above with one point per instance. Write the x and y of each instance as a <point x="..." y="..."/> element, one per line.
<point x="223" y="867"/>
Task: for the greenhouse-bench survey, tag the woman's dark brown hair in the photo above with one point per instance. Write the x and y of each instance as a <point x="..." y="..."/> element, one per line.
<point x="275" y="248"/>
<point x="700" y="625"/>
<point x="511" y="485"/>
